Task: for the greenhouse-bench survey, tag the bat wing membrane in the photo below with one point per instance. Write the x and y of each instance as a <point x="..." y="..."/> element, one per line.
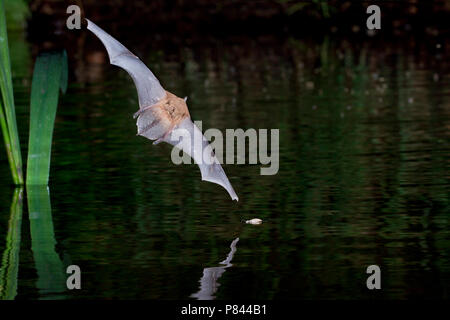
<point x="148" y="87"/>
<point x="202" y="153"/>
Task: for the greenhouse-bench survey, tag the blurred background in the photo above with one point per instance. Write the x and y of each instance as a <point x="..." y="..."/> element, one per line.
<point x="364" y="119"/>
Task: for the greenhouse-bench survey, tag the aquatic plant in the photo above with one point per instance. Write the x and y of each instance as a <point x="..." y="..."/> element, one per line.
<point x="50" y="74"/>
<point x="8" y="122"/>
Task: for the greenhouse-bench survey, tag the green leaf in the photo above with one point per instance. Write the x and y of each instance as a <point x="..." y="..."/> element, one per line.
<point x="8" y="113"/>
<point x="6" y="138"/>
<point x="17" y="11"/>
<point x="50" y="74"/>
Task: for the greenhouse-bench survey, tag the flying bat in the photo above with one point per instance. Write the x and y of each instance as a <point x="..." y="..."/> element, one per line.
<point x="161" y="112"/>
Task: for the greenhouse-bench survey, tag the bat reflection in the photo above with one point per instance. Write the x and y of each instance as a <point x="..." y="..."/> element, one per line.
<point x="208" y="282"/>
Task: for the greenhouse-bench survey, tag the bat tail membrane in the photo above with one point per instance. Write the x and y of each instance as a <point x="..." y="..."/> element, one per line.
<point x="198" y="148"/>
<point x="147" y="85"/>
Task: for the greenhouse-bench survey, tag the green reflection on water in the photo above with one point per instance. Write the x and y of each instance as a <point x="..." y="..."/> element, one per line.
<point x="51" y="278"/>
<point x="10" y="260"/>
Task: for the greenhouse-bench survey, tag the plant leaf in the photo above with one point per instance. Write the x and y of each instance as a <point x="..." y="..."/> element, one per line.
<point x="14" y="155"/>
<point x="49" y="75"/>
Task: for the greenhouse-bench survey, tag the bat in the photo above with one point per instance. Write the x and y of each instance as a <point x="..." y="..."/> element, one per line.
<point x="162" y="112"/>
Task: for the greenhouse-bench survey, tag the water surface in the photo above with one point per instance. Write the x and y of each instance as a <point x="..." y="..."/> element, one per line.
<point x="363" y="179"/>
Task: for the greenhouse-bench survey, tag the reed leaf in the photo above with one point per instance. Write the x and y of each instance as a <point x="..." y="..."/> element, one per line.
<point x="8" y="114"/>
<point x="7" y="140"/>
<point x="50" y="74"/>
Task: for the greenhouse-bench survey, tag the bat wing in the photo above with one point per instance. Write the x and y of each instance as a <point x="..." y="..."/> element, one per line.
<point x="148" y="87"/>
<point x="187" y="137"/>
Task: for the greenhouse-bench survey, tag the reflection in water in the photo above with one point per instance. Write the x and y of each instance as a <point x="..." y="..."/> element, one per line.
<point x="51" y="279"/>
<point x="208" y="282"/>
<point x="9" y="266"/>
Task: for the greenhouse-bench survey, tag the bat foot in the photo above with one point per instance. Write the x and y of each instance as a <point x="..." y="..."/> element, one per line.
<point x="137" y="114"/>
<point x="140" y="111"/>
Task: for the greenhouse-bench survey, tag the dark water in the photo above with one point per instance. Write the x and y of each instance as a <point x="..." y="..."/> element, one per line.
<point x="363" y="179"/>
